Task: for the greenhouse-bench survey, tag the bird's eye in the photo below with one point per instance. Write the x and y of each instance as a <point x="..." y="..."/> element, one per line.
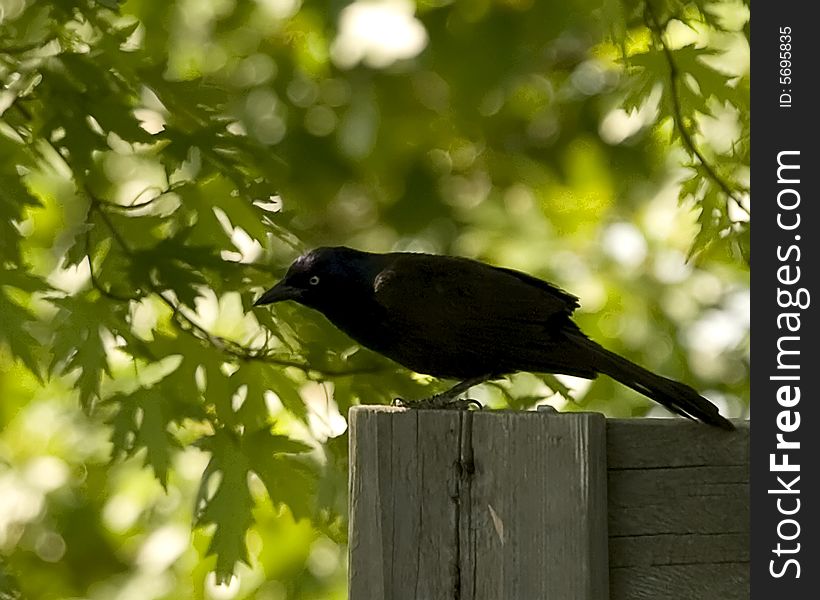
<point x="314" y="280"/>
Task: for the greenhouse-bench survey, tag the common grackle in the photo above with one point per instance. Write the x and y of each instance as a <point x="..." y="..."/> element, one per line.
<point x="458" y="318"/>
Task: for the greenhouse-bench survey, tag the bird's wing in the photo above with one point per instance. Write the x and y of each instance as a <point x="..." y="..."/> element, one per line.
<point x="454" y="287"/>
<point x="568" y="302"/>
<point x="471" y="309"/>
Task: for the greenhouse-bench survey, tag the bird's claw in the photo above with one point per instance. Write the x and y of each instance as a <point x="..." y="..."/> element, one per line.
<point x="464" y="404"/>
<point x="439" y="402"/>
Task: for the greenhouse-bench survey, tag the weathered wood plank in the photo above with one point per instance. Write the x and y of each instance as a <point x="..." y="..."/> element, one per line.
<point x="714" y="581"/>
<point x="682" y="514"/>
<point x="477" y="506"/>
<point x="666" y="549"/>
<point x="402" y="515"/>
<point x="678" y="510"/>
<point x="665" y="443"/>
<point x="538" y="498"/>
<point x="646" y="485"/>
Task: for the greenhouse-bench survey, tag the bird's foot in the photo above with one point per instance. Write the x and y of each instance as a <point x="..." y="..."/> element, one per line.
<point x="440" y="402"/>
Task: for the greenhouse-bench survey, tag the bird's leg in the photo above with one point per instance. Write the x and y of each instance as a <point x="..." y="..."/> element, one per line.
<point x="449" y="398"/>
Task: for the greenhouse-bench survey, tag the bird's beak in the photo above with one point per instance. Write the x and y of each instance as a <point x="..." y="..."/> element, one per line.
<point x="281" y="291"/>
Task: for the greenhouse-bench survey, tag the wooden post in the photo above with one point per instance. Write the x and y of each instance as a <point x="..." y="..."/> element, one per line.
<point x="477" y="505"/>
<point x="489" y="505"/>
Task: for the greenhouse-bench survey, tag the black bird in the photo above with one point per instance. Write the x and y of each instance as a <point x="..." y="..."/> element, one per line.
<point x="458" y="318"/>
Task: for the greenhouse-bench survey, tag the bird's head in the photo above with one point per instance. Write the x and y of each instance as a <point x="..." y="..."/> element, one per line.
<point x="322" y="276"/>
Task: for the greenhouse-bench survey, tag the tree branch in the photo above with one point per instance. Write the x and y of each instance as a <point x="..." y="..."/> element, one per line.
<point x="188" y="324"/>
<point x="677" y="113"/>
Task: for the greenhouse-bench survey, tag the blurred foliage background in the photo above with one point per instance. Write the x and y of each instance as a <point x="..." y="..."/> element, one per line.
<point x="162" y="162"/>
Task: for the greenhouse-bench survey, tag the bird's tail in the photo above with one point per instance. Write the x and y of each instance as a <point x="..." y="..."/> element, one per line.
<point x="674" y="395"/>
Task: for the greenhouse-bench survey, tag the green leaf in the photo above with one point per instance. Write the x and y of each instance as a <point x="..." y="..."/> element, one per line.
<point x="173" y="264"/>
<point x="114" y="99"/>
<point x="710" y="82"/>
<point x="556" y="386"/>
<point x="22" y="280"/>
<point x="712" y="220"/>
<point x="181" y="385"/>
<point x="15" y="319"/>
<point x="287" y="480"/>
<point x="652" y="67"/>
<point x="218" y="193"/>
<point x="229" y="508"/>
<point x="78" y="342"/>
<point x="14" y="198"/>
<point x="260" y="377"/>
<point x="141" y="421"/>
<point x="647" y="69"/>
